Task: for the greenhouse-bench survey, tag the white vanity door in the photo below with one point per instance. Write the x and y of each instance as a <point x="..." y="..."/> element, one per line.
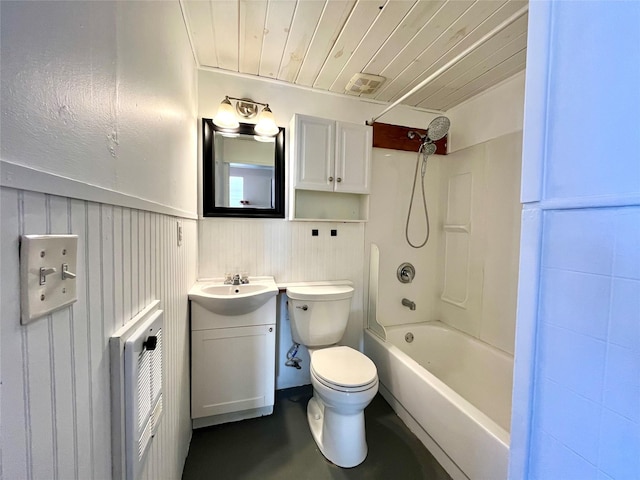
<point x="232" y="369"/>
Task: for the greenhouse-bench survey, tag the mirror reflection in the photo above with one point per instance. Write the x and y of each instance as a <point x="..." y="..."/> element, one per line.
<point x="243" y="174"/>
<point x="244" y="170"/>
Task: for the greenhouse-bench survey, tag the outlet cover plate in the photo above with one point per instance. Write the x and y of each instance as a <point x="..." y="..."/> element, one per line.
<point x="46" y="252"/>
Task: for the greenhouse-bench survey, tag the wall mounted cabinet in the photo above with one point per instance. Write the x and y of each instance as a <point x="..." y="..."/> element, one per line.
<point x="331" y="169"/>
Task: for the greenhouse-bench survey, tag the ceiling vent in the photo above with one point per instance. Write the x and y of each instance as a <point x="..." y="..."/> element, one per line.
<point x="364" y="84"/>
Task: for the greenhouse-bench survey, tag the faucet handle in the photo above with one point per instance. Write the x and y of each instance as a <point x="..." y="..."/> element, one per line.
<point x="245" y="278"/>
<point x="228" y="280"/>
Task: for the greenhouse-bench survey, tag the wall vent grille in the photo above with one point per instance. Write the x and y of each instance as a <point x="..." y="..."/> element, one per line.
<point x="137" y="404"/>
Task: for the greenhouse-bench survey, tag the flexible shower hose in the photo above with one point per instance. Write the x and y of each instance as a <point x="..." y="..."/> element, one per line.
<point x="424" y="199"/>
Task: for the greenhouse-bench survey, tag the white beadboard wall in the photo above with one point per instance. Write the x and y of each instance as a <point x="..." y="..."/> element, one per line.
<point x="55" y="388"/>
<point x="287" y="251"/>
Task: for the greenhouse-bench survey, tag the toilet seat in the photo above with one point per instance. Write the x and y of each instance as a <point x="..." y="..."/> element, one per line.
<point x="343" y="369"/>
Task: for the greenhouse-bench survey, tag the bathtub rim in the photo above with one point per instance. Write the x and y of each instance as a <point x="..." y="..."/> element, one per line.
<point x="489" y="425"/>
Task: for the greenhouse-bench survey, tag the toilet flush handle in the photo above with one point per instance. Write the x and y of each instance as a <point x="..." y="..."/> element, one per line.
<point x="303" y="307"/>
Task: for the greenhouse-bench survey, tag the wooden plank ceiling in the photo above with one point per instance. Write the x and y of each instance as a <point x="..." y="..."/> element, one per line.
<point x="323" y="43"/>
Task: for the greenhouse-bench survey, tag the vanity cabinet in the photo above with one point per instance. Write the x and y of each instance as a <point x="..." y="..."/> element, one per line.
<point x="232" y="368"/>
<point x="331" y="169"/>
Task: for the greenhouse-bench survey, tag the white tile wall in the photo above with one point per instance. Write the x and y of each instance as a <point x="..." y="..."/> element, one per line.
<point x="588" y="355"/>
<point x="55" y="371"/>
<point x="576" y="402"/>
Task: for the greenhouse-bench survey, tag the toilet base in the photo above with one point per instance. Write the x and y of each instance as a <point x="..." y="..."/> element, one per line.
<point x="340" y="437"/>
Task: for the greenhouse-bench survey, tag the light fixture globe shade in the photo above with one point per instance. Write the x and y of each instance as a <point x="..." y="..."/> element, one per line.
<point x="226" y="116"/>
<point x="266" y="126"/>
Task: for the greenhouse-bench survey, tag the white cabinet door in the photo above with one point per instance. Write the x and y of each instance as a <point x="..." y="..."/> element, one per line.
<point x="314" y="153"/>
<point x="353" y="158"/>
<point x="232" y="369"/>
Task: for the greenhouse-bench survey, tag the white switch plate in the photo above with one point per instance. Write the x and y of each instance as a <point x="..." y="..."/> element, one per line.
<point x="46" y="252"/>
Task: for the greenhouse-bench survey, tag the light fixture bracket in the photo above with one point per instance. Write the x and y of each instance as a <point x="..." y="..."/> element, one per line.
<point x="246" y="108"/>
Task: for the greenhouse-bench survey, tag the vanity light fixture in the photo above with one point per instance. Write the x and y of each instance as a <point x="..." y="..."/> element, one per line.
<point x="246" y="108"/>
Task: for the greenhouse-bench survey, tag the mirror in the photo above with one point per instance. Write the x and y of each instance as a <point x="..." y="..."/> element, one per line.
<point x="243" y="174"/>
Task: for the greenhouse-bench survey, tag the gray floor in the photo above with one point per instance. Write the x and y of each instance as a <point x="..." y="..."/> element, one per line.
<point x="280" y="446"/>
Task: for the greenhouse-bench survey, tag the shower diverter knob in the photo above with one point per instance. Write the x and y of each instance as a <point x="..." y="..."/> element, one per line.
<point x="406" y="272"/>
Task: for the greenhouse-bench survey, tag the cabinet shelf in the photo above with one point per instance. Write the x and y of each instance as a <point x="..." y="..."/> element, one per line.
<point x="330" y="170"/>
<point x="330" y="206"/>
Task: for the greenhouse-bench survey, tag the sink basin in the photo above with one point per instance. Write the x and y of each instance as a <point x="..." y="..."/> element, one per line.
<point x="223" y="299"/>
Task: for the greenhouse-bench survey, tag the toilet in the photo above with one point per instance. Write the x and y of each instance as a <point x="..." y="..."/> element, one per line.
<point x="344" y="380"/>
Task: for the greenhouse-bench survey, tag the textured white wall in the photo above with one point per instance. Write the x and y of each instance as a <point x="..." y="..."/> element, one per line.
<point x="91" y="92"/>
<point x="490" y="114"/>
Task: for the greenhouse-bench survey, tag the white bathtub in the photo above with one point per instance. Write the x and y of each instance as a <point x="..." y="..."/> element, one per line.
<point x="453" y="391"/>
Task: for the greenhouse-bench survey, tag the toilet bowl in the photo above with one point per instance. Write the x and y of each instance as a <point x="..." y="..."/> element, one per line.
<point x="344" y="380"/>
<point x="344" y="383"/>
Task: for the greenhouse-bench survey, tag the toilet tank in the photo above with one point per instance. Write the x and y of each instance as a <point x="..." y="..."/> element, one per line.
<point x="319" y="314"/>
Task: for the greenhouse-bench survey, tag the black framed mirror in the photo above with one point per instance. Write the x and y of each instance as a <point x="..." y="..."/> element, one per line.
<point x="242" y="173"/>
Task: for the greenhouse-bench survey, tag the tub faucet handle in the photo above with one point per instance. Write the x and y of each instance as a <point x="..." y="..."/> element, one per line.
<point x="406" y="272"/>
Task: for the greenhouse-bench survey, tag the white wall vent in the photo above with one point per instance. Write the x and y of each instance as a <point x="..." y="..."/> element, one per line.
<point x="136" y="387"/>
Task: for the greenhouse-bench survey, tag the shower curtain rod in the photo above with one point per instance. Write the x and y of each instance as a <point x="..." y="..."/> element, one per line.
<point x="454" y="60"/>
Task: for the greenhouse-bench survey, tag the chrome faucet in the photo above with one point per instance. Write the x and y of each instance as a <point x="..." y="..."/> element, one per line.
<point x="408" y="303"/>
<point x="236" y="279"/>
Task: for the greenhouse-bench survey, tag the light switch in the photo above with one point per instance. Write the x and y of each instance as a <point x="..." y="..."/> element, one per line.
<point x="47" y="274"/>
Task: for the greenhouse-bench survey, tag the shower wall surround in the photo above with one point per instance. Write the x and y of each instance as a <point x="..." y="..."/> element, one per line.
<point x="466" y="279"/>
<point x="478" y="268"/>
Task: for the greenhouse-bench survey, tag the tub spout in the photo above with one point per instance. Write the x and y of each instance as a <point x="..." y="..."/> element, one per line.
<point x="408" y="303"/>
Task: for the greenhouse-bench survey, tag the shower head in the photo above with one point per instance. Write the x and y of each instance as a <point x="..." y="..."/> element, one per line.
<point x="438" y="128"/>
<point x="428" y="148"/>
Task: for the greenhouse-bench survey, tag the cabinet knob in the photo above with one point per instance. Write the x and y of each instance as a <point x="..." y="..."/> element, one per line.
<point x="331" y="179"/>
<point x="339" y="179"/>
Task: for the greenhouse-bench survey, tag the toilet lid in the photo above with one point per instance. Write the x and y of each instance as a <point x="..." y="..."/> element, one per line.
<point x="320" y="292"/>
<point x="343" y="366"/>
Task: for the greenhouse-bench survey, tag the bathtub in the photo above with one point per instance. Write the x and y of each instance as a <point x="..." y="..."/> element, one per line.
<point x="452" y="390"/>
